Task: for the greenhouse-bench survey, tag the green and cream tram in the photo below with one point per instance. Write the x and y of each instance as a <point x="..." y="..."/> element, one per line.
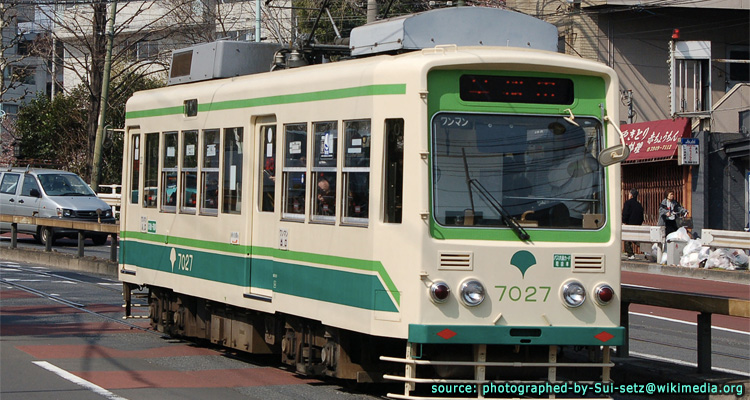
<point x="444" y="212"/>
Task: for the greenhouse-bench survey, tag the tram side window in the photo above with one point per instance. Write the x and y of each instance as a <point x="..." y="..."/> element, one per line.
<point x="169" y="173"/>
<point x="268" y="180"/>
<point x="151" y="179"/>
<point x="295" y="171"/>
<point x="325" y="152"/>
<point x="135" y="176"/>
<point x="394" y="169"/>
<point x="232" y="203"/>
<point x="189" y="189"/>
<point x="210" y="172"/>
<point x="356" y="171"/>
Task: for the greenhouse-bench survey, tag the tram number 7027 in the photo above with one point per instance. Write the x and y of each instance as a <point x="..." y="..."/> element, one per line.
<point x="185" y="262"/>
<point x="529" y="294"/>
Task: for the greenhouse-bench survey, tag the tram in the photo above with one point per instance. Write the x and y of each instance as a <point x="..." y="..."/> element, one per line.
<point x="439" y="215"/>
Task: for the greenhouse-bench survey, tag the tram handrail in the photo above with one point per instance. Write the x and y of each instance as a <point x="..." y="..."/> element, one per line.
<point x="703" y="303"/>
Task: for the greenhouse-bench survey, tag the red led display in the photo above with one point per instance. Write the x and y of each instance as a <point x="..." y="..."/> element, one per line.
<point x="516" y="89"/>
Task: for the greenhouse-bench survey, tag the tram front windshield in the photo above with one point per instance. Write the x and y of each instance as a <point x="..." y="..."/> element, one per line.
<point x="539" y="170"/>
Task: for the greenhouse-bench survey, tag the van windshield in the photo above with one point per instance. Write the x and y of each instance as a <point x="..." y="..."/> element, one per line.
<point x="64" y="185"/>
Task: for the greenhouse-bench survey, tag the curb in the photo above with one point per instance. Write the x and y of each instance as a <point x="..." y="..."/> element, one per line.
<point x="62" y="260"/>
<point x="742" y="277"/>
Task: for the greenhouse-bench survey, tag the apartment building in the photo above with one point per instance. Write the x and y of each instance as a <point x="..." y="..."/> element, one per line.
<point x="709" y="90"/>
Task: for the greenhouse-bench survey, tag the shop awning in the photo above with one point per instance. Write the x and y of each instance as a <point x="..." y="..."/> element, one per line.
<point x="655" y="140"/>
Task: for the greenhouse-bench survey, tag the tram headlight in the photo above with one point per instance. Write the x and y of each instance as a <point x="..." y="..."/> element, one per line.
<point x="439" y="291"/>
<point x="603" y="294"/>
<point x="574" y="294"/>
<point x="472" y="293"/>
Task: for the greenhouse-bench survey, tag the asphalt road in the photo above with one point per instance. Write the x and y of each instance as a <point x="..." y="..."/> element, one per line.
<point x="50" y="349"/>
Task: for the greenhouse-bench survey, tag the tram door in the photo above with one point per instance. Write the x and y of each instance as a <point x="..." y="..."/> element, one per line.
<point x="264" y="240"/>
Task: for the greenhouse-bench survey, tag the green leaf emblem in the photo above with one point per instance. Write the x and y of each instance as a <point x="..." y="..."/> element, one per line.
<point x="523" y="260"/>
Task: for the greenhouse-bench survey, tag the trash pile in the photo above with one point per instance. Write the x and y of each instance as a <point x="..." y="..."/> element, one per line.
<point x="695" y="255"/>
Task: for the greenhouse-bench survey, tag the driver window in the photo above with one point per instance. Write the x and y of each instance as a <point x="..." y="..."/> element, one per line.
<point x="29" y="184"/>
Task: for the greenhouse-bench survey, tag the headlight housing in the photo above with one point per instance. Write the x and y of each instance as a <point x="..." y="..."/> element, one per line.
<point x="472" y="293"/>
<point x="64" y="212"/>
<point x="573" y="294"/>
<point x="439" y="291"/>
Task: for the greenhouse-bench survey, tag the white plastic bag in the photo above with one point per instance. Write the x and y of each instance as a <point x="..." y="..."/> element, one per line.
<point x="692" y="246"/>
<point x="738" y="258"/>
<point x="680" y="234"/>
<point x="719" y="258"/>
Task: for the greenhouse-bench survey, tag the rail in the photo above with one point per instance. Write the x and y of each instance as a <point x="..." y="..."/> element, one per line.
<point x="48" y="223"/>
<point x="726" y="239"/>
<point x="645" y="234"/>
<point x="706" y="305"/>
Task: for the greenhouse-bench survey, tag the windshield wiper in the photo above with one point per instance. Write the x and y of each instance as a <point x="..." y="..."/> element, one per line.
<point x="504" y="214"/>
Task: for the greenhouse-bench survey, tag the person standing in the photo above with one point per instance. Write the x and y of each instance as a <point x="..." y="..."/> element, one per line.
<point x="632" y="214"/>
<point x="669" y="209"/>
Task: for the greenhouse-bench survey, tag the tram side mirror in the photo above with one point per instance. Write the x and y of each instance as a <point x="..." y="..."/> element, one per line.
<point x="614" y="155"/>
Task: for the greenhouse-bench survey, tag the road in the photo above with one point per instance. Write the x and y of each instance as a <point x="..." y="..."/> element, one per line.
<point x="670" y="335"/>
<point x="56" y="350"/>
<point x="51" y="349"/>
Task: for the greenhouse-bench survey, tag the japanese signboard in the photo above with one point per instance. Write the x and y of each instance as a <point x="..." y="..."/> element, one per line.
<point x="655" y="139"/>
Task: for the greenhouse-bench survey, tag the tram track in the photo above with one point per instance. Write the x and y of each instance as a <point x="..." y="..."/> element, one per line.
<point x="66" y="302"/>
<point x="53" y="275"/>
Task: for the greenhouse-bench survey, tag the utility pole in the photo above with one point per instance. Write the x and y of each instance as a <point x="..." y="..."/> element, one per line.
<point x="96" y="168"/>
<point x="257" y="20"/>
<point x="629" y="102"/>
<point x="372" y="11"/>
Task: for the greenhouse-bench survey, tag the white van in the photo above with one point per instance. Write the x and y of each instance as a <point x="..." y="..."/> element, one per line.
<point x="50" y="193"/>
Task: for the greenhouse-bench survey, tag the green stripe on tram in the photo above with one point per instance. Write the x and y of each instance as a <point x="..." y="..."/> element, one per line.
<point x="335" y="94"/>
<point x="348" y="287"/>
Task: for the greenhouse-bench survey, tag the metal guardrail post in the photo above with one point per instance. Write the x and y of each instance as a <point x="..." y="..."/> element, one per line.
<point x="113" y="248"/>
<point x="48" y="244"/>
<point x="81" y="238"/>
<point x="704" y="342"/>
<point x="624" y="349"/>
<point x="13" y="235"/>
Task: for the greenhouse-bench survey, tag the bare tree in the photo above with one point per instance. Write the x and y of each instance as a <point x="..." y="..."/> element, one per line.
<point x="140" y="31"/>
<point x="208" y="20"/>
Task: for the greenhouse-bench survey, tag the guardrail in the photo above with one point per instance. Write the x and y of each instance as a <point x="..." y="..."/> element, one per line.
<point x="645" y="234"/>
<point x="48" y="223"/>
<point x="706" y="305"/>
<point x="726" y="239"/>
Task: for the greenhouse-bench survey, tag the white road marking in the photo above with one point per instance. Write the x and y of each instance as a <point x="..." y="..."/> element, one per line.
<point x="688" y="323"/>
<point x="686" y="363"/>
<point x="78" y="381"/>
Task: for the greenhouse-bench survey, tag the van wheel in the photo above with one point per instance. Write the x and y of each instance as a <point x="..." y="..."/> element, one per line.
<point x="46" y="235"/>
<point x="99" y="239"/>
